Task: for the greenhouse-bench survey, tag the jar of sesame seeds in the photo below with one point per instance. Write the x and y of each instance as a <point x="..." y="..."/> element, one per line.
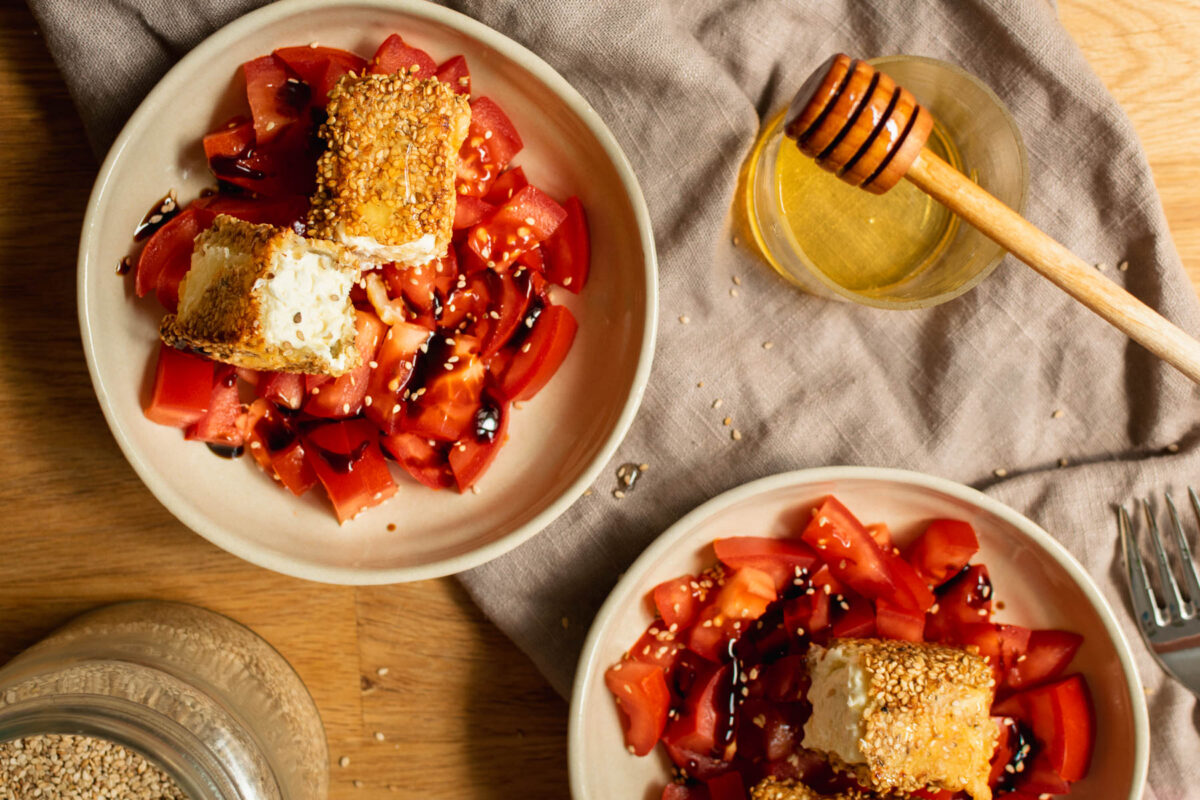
<point x="149" y="689"/>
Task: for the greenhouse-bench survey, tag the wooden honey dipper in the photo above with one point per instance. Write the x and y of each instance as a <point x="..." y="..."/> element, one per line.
<point x="857" y="123"/>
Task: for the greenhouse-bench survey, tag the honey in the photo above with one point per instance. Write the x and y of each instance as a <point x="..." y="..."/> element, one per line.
<point x="860" y="241"/>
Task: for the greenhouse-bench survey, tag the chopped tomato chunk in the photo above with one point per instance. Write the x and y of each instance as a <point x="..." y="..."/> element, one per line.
<point x="350" y="465"/>
<point x="567" y="251"/>
<point x="221" y="424"/>
<point x="421" y="458"/>
<point x="183" y="385"/>
<point x="274" y="104"/>
<point x="538" y="357"/>
<point x="454" y="73"/>
<point x="1045" y="656"/>
<point x="526" y="219"/>
<point x="491" y="143"/>
<point x="643" y="700"/>
<point x="276" y="446"/>
<point x="396" y="55"/>
<point x="942" y="550"/>
<point x="784" y="560"/>
<point x="476" y="450"/>
<point x="320" y="67"/>
<point x="676" y="601"/>
<point x="167" y="256"/>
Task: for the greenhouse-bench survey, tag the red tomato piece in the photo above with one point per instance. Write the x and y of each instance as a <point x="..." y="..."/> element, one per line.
<point x="284" y="212"/>
<point x="221" y="425"/>
<point x="395" y="362"/>
<point x="474" y="453"/>
<point x="676" y="602"/>
<point x="420" y="458"/>
<point x="454" y="73"/>
<point x="726" y="787"/>
<point x="881" y="534"/>
<point x="320" y="67"/>
<point x="183" y="385"/>
<point x="272" y="104"/>
<point x="445" y="405"/>
<point x="786" y="679"/>
<point x="964" y="600"/>
<point x="526" y="219"/>
<point x="697" y="727"/>
<point x="491" y="143"/>
<point x="277" y="448"/>
<point x="167" y="256"/>
<point x="283" y="167"/>
<point x="745" y="594"/>
<point x="509" y="183"/>
<point x="470" y="211"/>
<point x="343" y="396"/>
<point x="653" y="647"/>
<point x="1046" y="656"/>
<point x="230" y="140"/>
<point x="396" y="55"/>
<point x="1063" y="722"/>
<point x="895" y="622"/>
<point x="680" y="791"/>
<point x="855" y="622"/>
<point x="538" y="357"/>
<point x="508" y="301"/>
<point x="942" y="550"/>
<point x="643" y="700"/>
<point x="282" y="388"/>
<point x="856" y="560"/>
<point x="350" y="465"/>
<point x="466" y="309"/>
<point x="822" y="578"/>
<point x="807" y="614"/>
<point x="568" y="251"/>
<point x="533" y="260"/>
<point x="1001" y="645"/>
<point x="784" y="560"/>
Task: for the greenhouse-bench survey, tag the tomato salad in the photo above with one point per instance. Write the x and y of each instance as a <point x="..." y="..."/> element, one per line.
<point x="754" y="615"/>
<point x="488" y="313"/>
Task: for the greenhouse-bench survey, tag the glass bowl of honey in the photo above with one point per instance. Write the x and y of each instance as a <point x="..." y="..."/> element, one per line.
<point x="901" y="249"/>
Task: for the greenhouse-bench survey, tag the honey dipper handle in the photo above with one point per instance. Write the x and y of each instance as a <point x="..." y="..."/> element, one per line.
<point x="1065" y="269"/>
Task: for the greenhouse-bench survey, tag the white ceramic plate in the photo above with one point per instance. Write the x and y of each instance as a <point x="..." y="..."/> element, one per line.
<point x="1038" y="581"/>
<point x="559" y="441"/>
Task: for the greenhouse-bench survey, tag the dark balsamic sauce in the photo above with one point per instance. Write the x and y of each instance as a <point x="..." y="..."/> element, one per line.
<point x="233" y="166"/>
<point x="728" y="705"/>
<point x="226" y="450"/>
<point x="527" y="322"/>
<point x="1024" y="748"/>
<point x="343" y="463"/>
<point x="487" y="423"/>
<point x="162" y="213"/>
<point x="295" y="93"/>
<point x="429" y="362"/>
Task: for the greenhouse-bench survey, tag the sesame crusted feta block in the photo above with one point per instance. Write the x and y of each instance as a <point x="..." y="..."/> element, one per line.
<point x="903" y="715"/>
<point x="385" y="183"/>
<point x="787" y="789"/>
<point x="263" y="297"/>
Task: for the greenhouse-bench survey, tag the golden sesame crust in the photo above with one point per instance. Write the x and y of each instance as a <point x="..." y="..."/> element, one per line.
<point x="927" y="719"/>
<point x="225" y="321"/>
<point x="388" y="169"/>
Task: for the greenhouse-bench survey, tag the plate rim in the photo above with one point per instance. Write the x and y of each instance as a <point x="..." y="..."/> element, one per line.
<point x="587" y="668"/>
<point x="358" y="576"/>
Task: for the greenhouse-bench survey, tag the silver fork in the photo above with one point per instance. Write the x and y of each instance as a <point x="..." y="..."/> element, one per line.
<point x="1171" y="628"/>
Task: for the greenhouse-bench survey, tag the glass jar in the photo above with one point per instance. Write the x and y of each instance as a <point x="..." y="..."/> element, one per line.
<point x="199" y="695"/>
<point x="809" y="225"/>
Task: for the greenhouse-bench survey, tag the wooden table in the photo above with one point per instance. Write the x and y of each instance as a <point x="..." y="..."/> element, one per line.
<point x="462" y="712"/>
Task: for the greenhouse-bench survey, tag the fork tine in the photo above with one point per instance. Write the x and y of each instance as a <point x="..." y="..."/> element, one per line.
<point x="1174" y="602"/>
<point x="1145" y="605"/>
<point x="1187" y="563"/>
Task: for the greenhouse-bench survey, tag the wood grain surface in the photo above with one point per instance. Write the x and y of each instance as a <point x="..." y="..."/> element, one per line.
<point x="463" y="714"/>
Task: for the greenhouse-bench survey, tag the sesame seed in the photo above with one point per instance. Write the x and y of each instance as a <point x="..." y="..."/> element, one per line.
<point x="1123" y="266"/>
<point x="727" y="421"/>
<point x="736" y="435"/>
<point x="717" y="403"/>
<point x="1057" y="414"/>
<point x="566" y="623"/>
<point x="684" y="319"/>
<point x="737" y="281"/>
<point x="1062" y="462"/>
<point x="733" y="292"/>
<point x="999" y="472"/>
<point x="379" y="737"/>
<point x="617" y="493"/>
<point x="381" y="671"/>
<point x="768" y="345"/>
<point x="1172" y="448"/>
<point x="344" y="761"/>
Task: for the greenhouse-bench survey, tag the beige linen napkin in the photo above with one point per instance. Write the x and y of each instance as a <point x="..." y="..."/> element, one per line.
<point x="967" y="391"/>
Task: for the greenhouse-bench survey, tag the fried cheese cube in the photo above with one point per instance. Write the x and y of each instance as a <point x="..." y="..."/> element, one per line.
<point x="902" y="715"/>
<point x="263" y="297"/>
<point x="385" y="183"/>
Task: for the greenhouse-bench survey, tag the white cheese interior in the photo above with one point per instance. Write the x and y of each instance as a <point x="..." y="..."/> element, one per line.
<point x="208" y="263"/>
<point x="372" y="253"/>
<point x="305" y="303"/>
<point x="839" y="698"/>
